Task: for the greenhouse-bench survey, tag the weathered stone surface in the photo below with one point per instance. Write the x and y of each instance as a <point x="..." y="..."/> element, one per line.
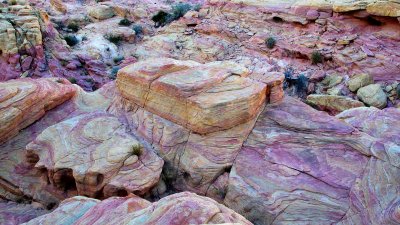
<point x="24" y="101"/>
<point x="359" y="81"/>
<point x="19" y="180"/>
<point x="373" y="95"/>
<point x="68" y="212"/>
<point x="182" y="208"/>
<point x="333" y="103"/>
<point x="12" y="213"/>
<point x="206" y="98"/>
<point x="193" y="161"/>
<point x="298" y="164"/>
<point x="78" y="156"/>
<point x="384" y="8"/>
<point x="101" y="12"/>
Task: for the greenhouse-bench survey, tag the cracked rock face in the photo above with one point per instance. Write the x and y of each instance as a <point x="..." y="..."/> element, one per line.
<point x="92" y="155"/>
<point x="204" y="98"/>
<point x="182" y="208"/>
<point x="24" y="101"/>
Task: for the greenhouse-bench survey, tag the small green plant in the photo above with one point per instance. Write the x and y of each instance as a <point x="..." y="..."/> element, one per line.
<point x="197" y="7"/>
<point x="13" y="2"/>
<point x="72" y="80"/>
<point x="73" y="26"/>
<point x="270" y="42"/>
<point x="116" y="39"/>
<point x="138" y="29"/>
<point x="137" y="150"/>
<point x="125" y="22"/>
<point x="316" y="57"/>
<point x="180" y="9"/>
<point x="161" y="18"/>
<point x="118" y="59"/>
<point x="71" y="40"/>
<point x="114" y="72"/>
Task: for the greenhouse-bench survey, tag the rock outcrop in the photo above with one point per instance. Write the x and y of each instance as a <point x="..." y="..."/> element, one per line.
<point x="333" y="103"/>
<point x="79" y="157"/>
<point x="204" y="98"/>
<point x="14" y="213"/>
<point x="24" y="101"/>
<point x="182" y="208"/>
<point x="373" y="95"/>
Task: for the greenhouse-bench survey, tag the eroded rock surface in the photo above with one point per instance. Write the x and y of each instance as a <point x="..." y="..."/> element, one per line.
<point x="182" y="208"/>
<point x="205" y="98"/>
<point x="24" y="101"/>
<point x="94" y="156"/>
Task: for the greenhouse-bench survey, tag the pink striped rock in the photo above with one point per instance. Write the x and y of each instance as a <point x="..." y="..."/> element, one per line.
<point x="177" y="209"/>
<point x="24" y="101"/>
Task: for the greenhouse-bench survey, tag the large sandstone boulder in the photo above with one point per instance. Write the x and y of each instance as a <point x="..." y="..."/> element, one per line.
<point x="24" y="101"/>
<point x="359" y="81"/>
<point x="101" y="12"/>
<point x="373" y="95"/>
<point x="182" y="208"/>
<point x="19" y="180"/>
<point x="333" y="103"/>
<point x="93" y="155"/>
<point x="204" y="98"/>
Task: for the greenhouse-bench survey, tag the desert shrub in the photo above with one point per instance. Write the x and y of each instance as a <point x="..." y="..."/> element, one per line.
<point x="289" y="72"/>
<point x="197" y="7"/>
<point x="137" y="150"/>
<point x="301" y="84"/>
<point x="114" y="72"/>
<point x="73" y="26"/>
<point x="116" y="39"/>
<point x="72" y="80"/>
<point x="118" y="59"/>
<point x="270" y="42"/>
<point x="316" y="57"/>
<point x="125" y="22"/>
<point x="71" y="40"/>
<point x="161" y="18"/>
<point x="13" y="2"/>
<point x="180" y="10"/>
<point x="138" y="29"/>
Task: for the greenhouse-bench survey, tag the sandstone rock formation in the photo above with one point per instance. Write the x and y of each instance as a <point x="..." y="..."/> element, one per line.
<point x="333" y="103"/>
<point x="78" y="156"/>
<point x="373" y="95"/>
<point x="359" y="81"/>
<point x="204" y="99"/>
<point x="14" y="213"/>
<point x="24" y="101"/>
<point x="182" y="208"/>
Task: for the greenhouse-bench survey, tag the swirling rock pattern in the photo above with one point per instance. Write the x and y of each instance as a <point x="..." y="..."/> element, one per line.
<point x="205" y="98"/>
<point x="24" y="101"/>
<point x="182" y="208"/>
<point x="94" y="156"/>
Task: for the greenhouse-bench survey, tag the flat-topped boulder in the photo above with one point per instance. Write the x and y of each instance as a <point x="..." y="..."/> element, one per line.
<point x="92" y="155"/>
<point x="201" y="97"/>
<point x="24" y="101"/>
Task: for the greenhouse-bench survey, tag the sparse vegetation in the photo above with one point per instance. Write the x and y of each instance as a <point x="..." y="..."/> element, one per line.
<point x="301" y="84"/>
<point x="13" y="2"/>
<point x="125" y="22"/>
<point x="316" y="57"/>
<point x="179" y="10"/>
<point x="137" y="150"/>
<point x="138" y="29"/>
<point x="114" y="72"/>
<point x="116" y="39"/>
<point x="270" y="42"/>
<point x="118" y="59"/>
<point x="71" y="40"/>
<point x="73" y="26"/>
<point x="72" y="80"/>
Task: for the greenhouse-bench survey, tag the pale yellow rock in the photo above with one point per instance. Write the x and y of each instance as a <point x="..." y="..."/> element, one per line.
<point x="384" y="8"/>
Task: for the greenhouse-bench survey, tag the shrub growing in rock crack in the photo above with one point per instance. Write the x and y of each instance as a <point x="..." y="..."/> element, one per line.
<point x="270" y="42"/>
<point x="137" y="150"/>
<point x="114" y="72"/>
<point x="125" y="22"/>
<point x="72" y="80"/>
<point x="180" y="9"/>
<point x="73" y="26"/>
<point x="71" y="40"/>
<point x="316" y="57"/>
<point x="116" y="39"/>
<point x="301" y="85"/>
<point x="138" y="29"/>
<point x="118" y="59"/>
